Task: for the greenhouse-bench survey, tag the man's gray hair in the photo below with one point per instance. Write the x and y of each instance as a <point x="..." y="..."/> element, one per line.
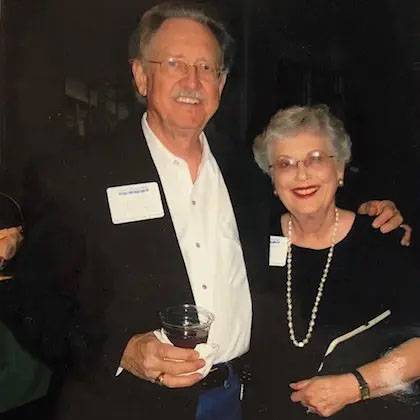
<point x="152" y="20"/>
<point x="292" y="121"/>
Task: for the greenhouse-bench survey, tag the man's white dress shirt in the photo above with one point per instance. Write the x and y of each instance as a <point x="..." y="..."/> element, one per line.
<point x="208" y="237"/>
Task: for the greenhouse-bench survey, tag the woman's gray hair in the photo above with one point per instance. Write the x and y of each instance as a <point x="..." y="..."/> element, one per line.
<point x="152" y="20"/>
<point x="292" y="121"/>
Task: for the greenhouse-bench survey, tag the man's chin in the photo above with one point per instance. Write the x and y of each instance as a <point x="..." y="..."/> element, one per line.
<point x="188" y="124"/>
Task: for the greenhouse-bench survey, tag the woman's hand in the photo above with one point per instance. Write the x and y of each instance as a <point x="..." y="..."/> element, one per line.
<point x="325" y="395"/>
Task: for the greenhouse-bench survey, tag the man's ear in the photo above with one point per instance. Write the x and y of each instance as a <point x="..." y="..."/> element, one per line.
<point x="222" y="82"/>
<point x="140" y="77"/>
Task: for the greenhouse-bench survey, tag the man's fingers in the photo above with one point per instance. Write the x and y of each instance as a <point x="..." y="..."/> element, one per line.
<point x="168" y="351"/>
<point x="371" y="208"/>
<point x="362" y="208"/>
<point x="146" y="357"/>
<point x="406" y="239"/>
<point x="180" y="367"/>
<point x="393" y="223"/>
<point x="296" y="396"/>
<point x="299" y="385"/>
<point x="388" y="216"/>
<point x="172" y="381"/>
<point x="389" y="219"/>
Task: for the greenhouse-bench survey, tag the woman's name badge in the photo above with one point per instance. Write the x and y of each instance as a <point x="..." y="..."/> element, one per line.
<point x="278" y="251"/>
<point x="135" y="202"/>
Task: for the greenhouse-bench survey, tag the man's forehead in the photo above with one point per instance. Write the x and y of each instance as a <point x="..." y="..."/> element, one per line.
<point x="181" y="33"/>
<point x="183" y="25"/>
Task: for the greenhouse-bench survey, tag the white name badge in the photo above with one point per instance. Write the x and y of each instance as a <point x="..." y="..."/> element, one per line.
<point x="278" y="251"/>
<point x="135" y="202"/>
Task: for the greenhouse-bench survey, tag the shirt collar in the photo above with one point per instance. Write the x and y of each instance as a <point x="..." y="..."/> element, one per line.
<point x="161" y="153"/>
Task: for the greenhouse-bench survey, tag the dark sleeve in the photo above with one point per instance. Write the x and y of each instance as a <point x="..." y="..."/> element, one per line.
<point x="70" y="264"/>
<point x="42" y="307"/>
<point x="407" y="292"/>
<point x="397" y="279"/>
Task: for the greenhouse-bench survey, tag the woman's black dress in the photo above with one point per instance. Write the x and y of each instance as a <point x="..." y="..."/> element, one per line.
<point x="369" y="274"/>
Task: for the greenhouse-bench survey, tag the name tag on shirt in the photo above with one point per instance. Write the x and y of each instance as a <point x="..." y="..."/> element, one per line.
<point x="135" y="202"/>
<point x="278" y="251"/>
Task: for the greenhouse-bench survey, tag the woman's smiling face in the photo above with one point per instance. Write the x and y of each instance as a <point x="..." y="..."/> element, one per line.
<point x="305" y="172"/>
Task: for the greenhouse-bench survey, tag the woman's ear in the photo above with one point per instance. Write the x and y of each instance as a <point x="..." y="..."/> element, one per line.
<point x="340" y="173"/>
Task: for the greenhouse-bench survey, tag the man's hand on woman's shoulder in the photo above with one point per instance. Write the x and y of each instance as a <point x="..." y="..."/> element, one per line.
<point x="388" y="218"/>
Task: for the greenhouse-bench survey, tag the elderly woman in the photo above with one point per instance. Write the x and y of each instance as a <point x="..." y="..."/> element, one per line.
<point x="338" y="325"/>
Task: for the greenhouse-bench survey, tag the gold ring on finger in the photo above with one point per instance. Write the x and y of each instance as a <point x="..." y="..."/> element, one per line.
<point x="159" y="379"/>
<point x="309" y="409"/>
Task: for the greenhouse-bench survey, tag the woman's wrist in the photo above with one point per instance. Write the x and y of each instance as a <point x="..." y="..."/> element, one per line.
<point x="351" y="385"/>
<point x="363" y="385"/>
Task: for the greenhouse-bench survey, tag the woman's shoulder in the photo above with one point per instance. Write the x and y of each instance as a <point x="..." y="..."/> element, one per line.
<point x="364" y="232"/>
<point x="389" y="262"/>
<point x="382" y="251"/>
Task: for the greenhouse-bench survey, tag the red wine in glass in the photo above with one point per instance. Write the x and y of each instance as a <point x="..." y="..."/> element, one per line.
<point x="186" y="325"/>
<point x="186" y="339"/>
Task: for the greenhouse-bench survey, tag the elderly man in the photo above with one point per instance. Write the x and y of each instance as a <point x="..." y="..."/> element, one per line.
<point x="163" y="216"/>
<point x="191" y="237"/>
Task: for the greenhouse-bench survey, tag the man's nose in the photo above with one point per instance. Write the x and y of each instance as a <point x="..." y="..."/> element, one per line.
<point x="192" y="77"/>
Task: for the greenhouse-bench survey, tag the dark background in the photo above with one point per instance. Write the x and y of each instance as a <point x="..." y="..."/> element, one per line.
<point x="65" y="79"/>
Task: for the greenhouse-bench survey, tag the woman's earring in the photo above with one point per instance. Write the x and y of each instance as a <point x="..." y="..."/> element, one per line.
<point x="275" y="192"/>
<point x="340" y="182"/>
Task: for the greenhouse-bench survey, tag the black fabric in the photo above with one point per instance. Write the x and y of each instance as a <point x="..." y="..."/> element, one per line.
<point x="219" y="373"/>
<point x="119" y="276"/>
<point x="369" y="274"/>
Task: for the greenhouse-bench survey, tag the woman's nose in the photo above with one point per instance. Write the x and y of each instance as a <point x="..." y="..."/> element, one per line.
<point x="301" y="171"/>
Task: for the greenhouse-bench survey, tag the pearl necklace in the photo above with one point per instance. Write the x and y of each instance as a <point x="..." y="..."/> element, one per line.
<point x="320" y="287"/>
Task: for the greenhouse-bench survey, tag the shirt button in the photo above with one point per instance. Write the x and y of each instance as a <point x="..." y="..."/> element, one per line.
<point x="204" y="286"/>
<point x="197" y="244"/>
<point x="193" y="202"/>
<point x="176" y="162"/>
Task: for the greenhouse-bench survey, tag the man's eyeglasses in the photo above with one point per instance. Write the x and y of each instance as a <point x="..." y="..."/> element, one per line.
<point x="316" y="160"/>
<point x="179" y="68"/>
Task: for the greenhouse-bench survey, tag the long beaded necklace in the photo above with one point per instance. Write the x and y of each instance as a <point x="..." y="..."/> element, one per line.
<point x="320" y="287"/>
